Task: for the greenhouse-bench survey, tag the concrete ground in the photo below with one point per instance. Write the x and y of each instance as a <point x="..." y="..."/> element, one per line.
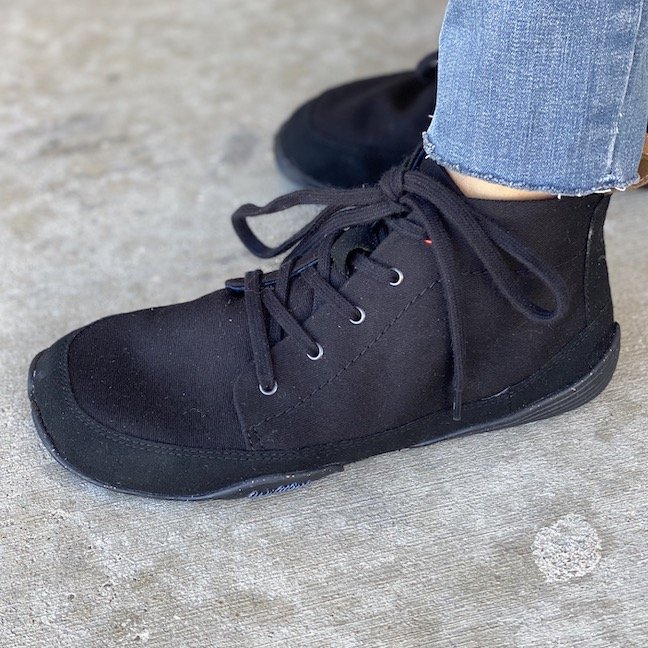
<point x="129" y="131"/>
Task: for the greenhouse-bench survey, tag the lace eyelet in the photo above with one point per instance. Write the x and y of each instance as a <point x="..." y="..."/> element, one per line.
<point x="318" y="355"/>
<point x="399" y="277"/>
<point x="360" y="319"/>
<point x="269" y="392"/>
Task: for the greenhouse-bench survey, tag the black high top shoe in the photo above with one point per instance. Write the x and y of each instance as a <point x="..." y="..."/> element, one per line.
<point x="404" y="314"/>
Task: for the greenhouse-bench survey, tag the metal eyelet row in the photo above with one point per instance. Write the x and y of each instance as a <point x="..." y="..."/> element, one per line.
<point x="362" y="315"/>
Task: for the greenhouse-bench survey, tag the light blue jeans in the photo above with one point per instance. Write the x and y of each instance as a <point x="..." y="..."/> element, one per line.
<point x="550" y="95"/>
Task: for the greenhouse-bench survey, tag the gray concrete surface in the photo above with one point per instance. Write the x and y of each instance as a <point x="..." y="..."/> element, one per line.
<point x="128" y="133"/>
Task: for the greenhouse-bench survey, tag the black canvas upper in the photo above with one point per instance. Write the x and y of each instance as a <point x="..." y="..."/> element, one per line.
<point x="152" y="374"/>
<point x="470" y="307"/>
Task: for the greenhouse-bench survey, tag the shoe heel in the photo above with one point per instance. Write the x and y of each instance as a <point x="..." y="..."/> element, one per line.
<point x="582" y="391"/>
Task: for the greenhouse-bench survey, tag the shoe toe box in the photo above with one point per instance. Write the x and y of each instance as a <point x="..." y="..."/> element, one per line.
<point x="134" y="402"/>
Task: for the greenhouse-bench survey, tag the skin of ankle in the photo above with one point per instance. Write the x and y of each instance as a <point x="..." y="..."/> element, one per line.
<point x="478" y="188"/>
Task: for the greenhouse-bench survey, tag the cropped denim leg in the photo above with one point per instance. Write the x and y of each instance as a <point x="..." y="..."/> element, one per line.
<point x="545" y="95"/>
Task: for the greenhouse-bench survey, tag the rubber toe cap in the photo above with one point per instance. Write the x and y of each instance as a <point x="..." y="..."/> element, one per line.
<point x="117" y="461"/>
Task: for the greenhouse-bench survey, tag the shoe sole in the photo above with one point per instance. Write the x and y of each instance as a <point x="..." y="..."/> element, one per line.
<point x="580" y="392"/>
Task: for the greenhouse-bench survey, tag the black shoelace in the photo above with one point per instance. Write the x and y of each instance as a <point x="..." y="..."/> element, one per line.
<point x="411" y="203"/>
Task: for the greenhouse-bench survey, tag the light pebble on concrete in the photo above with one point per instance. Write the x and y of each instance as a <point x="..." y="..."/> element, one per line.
<point x="129" y="131"/>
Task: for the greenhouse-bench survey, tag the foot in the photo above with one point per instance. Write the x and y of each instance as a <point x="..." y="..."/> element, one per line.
<point x="404" y="314"/>
<point x="352" y="134"/>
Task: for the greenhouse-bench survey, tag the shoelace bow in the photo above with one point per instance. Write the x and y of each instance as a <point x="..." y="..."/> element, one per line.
<point x="407" y="201"/>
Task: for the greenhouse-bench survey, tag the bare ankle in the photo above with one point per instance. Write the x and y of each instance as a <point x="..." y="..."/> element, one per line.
<point x="477" y="188"/>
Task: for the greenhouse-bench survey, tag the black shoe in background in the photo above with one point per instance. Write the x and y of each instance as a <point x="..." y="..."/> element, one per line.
<point x="350" y="135"/>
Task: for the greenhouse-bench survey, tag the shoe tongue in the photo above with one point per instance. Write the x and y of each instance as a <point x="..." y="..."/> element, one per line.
<point x="365" y="238"/>
<point x="360" y="238"/>
<point x="436" y="171"/>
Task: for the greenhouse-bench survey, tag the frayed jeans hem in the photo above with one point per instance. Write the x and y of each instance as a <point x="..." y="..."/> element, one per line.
<point x="606" y="184"/>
